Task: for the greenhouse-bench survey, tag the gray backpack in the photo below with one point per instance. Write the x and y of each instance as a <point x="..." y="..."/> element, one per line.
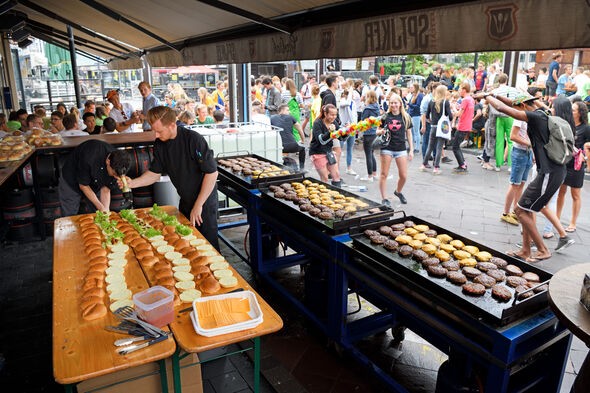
<point x="560" y="147"/>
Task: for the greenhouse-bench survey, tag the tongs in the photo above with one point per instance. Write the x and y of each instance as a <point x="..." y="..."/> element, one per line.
<point x="128" y="313"/>
<point x="136" y="347"/>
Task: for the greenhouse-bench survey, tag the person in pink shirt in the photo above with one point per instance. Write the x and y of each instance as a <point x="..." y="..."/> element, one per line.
<point x="465" y="116"/>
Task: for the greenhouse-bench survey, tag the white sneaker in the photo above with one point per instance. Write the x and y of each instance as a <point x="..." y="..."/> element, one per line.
<point x="497" y="168"/>
<point x="350" y="172"/>
<point x="463" y="144"/>
<point x="389" y="177"/>
<point x="369" y="179"/>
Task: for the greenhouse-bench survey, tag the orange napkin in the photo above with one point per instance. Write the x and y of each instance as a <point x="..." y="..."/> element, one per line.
<point x="218" y="313"/>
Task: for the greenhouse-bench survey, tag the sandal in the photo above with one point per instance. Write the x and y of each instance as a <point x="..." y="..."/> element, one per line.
<point x="532" y="259"/>
<point x="549" y="235"/>
<point x="514" y="254"/>
<point x="570" y="229"/>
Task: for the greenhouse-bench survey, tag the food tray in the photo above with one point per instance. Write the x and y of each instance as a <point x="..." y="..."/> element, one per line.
<point x="255" y="313"/>
<point x="247" y="181"/>
<point x="332" y="226"/>
<point x="389" y="266"/>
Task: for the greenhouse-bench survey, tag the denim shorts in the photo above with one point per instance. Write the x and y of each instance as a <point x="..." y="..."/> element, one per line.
<point x="394" y="154"/>
<point x="522" y="162"/>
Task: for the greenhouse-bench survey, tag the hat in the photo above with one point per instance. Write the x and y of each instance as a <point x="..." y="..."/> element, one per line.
<point x="522" y="98"/>
<point x="555" y="55"/>
<point x="111" y="93"/>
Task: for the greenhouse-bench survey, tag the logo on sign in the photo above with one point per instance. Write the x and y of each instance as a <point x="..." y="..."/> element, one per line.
<point x="327" y="41"/>
<point x="502" y="24"/>
<point x="252" y="48"/>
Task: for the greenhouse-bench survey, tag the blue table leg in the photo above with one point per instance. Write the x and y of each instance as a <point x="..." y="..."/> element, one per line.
<point x="163" y="375"/>
<point x="256" y="364"/>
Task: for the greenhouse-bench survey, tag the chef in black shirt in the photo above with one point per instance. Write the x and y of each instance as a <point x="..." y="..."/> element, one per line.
<point x="185" y="156"/>
<point x="90" y="171"/>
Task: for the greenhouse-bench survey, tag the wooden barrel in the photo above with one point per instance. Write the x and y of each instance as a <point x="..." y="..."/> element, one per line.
<point x="50" y="207"/>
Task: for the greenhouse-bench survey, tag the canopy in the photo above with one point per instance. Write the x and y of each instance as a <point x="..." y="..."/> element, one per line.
<point x="189" y="32"/>
<point x="186" y="70"/>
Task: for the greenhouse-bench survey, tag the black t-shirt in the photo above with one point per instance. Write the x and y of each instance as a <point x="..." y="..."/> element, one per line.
<point x="480" y="122"/>
<point x="582" y="135"/>
<point x="284" y="121"/>
<point x="435" y="116"/>
<point x="86" y="165"/>
<point x="315" y="146"/>
<point x="328" y="97"/>
<point x="186" y="159"/>
<point x="396" y="126"/>
<point x="538" y="131"/>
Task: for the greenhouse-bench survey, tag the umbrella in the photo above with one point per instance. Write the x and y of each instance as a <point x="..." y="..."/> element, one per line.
<point x="60" y="64"/>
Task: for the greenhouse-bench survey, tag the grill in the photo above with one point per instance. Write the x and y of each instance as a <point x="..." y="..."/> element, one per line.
<point x="390" y="266"/>
<point x="333" y="226"/>
<point x="251" y="183"/>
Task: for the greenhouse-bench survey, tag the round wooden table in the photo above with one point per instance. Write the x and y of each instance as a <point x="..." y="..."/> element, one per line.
<point x="564" y="298"/>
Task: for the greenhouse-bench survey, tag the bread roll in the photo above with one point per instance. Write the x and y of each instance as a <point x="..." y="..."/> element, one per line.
<point x="99" y="292"/>
<point x="182" y="268"/>
<point x="209" y="285"/>
<point x="98" y="253"/>
<point x="97" y="275"/>
<point x="168" y="229"/>
<point x="94" y="311"/>
<point x="91" y="248"/>
<point x="143" y="246"/>
<point x="183" y="276"/>
<point x="180" y="244"/>
<point x="159" y="243"/>
<point x="99" y="259"/>
<point x="228" y="282"/>
<point x="144" y="253"/>
<point x="164" y="273"/>
<point x="92" y="283"/>
<point x="91" y="241"/>
<point x="137" y="241"/>
<point x="200" y="261"/>
<point x="171" y="238"/>
<point x="98" y="267"/>
<point x="86" y="218"/>
<point x="90" y="301"/>
<point x="198" y="270"/>
<point x="130" y="238"/>
<point x="161" y="265"/>
<point x="167" y="282"/>
<point x="191" y="256"/>
<point x="189" y="295"/>
<point x="149" y="260"/>
<point x="91" y="235"/>
<point x="186" y="250"/>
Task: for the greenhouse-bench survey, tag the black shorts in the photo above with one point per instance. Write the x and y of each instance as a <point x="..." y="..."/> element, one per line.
<point x="574" y="179"/>
<point x="540" y="191"/>
<point x="551" y="88"/>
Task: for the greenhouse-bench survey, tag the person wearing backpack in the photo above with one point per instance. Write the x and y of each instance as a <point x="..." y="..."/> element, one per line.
<point x="542" y="134"/>
<point x="437" y="108"/>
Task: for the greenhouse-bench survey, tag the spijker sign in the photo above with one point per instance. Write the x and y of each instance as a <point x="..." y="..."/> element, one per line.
<point x="477" y="26"/>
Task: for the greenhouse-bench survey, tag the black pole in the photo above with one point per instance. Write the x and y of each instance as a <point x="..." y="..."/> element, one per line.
<point x="475" y="60"/>
<point x="74" y="67"/>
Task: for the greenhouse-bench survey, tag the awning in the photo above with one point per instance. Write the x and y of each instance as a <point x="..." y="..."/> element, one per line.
<point x="212" y="32"/>
<point x="186" y="70"/>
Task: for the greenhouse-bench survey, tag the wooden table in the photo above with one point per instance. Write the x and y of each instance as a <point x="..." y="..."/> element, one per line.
<point x="564" y="298"/>
<point x="8" y="168"/>
<point x="84" y="349"/>
<point x="189" y="341"/>
<point x="123" y="139"/>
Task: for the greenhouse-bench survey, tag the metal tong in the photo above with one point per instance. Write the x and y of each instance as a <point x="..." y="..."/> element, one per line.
<point x="129" y="314"/>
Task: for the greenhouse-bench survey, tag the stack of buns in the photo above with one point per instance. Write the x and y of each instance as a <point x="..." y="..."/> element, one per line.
<point x="13" y="149"/>
<point x="93" y="287"/>
<point x="38" y="138"/>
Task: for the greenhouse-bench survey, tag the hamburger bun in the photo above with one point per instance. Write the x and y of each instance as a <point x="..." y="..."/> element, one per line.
<point x="92" y="247"/>
<point x="200" y="261"/>
<point x="164" y="273"/>
<point x="209" y="285"/>
<point x="192" y="255"/>
<point x="99" y="292"/>
<point x="86" y="218"/>
<point x="91" y="235"/>
<point x="97" y="275"/>
<point x="168" y="229"/>
<point x="90" y="241"/>
<point x="143" y="246"/>
<point x="161" y="265"/>
<point x="149" y="260"/>
<point x="96" y="260"/>
<point x="136" y="242"/>
<point x="98" y="267"/>
<point x="186" y="250"/>
<point x="197" y="270"/>
<point x="90" y="301"/>
<point x="167" y="282"/>
<point x="94" y="311"/>
<point x="98" y="253"/>
<point x="144" y="253"/>
<point x="130" y="238"/>
<point x="92" y="283"/>
<point x="171" y="238"/>
<point x="180" y="244"/>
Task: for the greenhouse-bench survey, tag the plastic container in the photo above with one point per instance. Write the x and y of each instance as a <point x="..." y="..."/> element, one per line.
<point x="155" y="305"/>
<point x="255" y="313"/>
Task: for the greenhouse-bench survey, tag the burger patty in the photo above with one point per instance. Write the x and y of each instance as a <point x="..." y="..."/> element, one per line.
<point x="485" y="266"/>
<point x="542" y="288"/>
<point x="398" y="227"/>
<point x="390" y="245"/>
<point x="521" y="288"/>
<point x="409" y="224"/>
<point x="437" y="271"/>
<point x="456" y="277"/>
<point x="474" y="289"/>
<point x="451" y="265"/>
<point x="385" y="230"/>
<point x="513" y="270"/>
<point x="485" y="280"/>
<point x="471" y="272"/>
<point x="405" y="251"/>
<point x="430" y="262"/>
<point x="498" y="262"/>
<point x="501" y="292"/>
<point x="370" y="232"/>
<point x="529" y="276"/>
<point x="375" y="239"/>
<point x="515" y="281"/>
<point x="497" y="274"/>
<point x="419" y="255"/>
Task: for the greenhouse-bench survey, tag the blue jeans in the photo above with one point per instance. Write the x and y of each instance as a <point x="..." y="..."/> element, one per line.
<point x="425" y="138"/>
<point x="416" y="132"/>
<point x="349" y="146"/>
<point x="522" y="162"/>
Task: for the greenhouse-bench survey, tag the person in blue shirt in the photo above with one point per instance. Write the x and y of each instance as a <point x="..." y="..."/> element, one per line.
<point x="564" y="81"/>
<point x="149" y="101"/>
<point x="553" y="73"/>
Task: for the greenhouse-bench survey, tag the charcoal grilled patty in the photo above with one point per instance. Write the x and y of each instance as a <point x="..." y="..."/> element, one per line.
<point x="474" y="289"/>
<point x="437" y="271"/>
<point x="501" y="293"/>
<point x="515" y="281"/>
<point x="456" y="277"/>
<point x="513" y="270"/>
<point x="501" y="263"/>
<point x="471" y="272"/>
<point x="451" y="265"/>
<point x="485" y="280"/>
<point x="497" y="274"/>
<point x="485" y="266"/>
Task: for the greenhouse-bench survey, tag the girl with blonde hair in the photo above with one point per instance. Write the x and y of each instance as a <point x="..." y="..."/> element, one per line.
<point x="436" y="107"/>
<point x="205" y="97"/>
<point x="396" y="126"/>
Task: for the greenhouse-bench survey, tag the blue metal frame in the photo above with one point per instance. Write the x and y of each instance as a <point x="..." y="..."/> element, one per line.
<point x="503" y="352"/>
